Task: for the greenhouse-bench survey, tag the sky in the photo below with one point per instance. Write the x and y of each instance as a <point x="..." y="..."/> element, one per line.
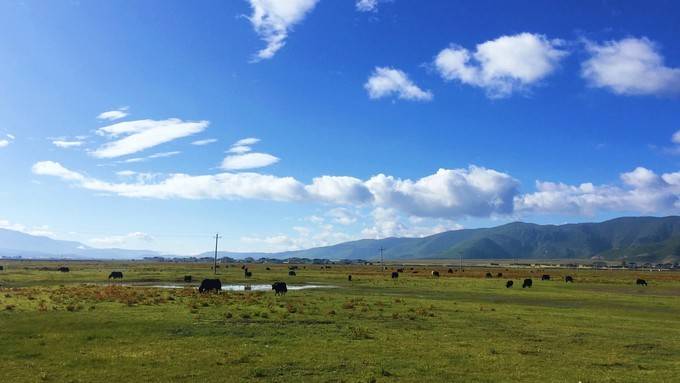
<point x="292" y="124"/>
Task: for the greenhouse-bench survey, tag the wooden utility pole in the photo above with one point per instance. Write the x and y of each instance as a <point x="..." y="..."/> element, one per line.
<point x="217" y="237"/>
<point x="382" y="260"/>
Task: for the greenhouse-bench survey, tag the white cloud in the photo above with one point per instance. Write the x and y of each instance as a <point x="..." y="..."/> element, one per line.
<point x="475" y="191"/>
<point x="113" y="115"/>
<point x="10" y="136"/>
<point x="643" y="191"/>
<point x="4" y="143"/>
<point x="339" y="190"/>
<point x="150" y="157"/>
<point x="247" y="141"/>
<point x="386" y="82"/>
<point x="248" y="161"/>
<point x="388" y="222"/>
<point x="204" y="142"/>
<point x="274" y="19"/>
<point x="122" y="240"/>
<point x="342" y="216"/>
<point x="42" y="231"/>
<point x="55" y="169"/>
<point x="239" y="149"/>
<point x="367" y="5"/>
<point x="502" y="66"/>
<point x="144" y="134"/>
<point x="630" y="66"/>
<point x="67" y="144"/>
<point x="304" y="238"/>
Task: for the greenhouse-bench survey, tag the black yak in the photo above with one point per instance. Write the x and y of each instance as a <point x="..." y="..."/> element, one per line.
<point x="509" y="284"/>
<point x="395" y="275"/>
<point x="292" y="273"/>
<point x="208" y="285"/>
<point x="187" y="278"/>
<point x="435" y="273"/>
<point x="499" y="275"/>
<point x="641" y="282"/>
<point x="488" y="275"/>
<point x="64" y="269"/>
<point x="545" y="277"/>
<point x="280" y="288"/>
<point x="248" y="274"/>
<point x="349" y="277"/>
<point x="450" y="271"/>
<point x="527" y="283"/>
<point x="116" y="275"/>
<point x="568" y="279"/>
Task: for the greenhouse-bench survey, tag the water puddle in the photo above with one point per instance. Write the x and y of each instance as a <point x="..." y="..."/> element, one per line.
<point x="233" y="287"/>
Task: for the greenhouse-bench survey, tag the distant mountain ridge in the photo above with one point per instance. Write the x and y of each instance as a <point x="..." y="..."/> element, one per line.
<point x="636" y="239"/>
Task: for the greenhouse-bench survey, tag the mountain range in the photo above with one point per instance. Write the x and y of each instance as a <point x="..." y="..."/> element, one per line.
<point x="636" y="239"/>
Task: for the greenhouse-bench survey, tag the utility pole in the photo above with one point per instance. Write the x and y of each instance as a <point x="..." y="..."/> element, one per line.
<point x="382" y="260"/>
<point x="461" y="261"/>
<point x="217" y="237"/>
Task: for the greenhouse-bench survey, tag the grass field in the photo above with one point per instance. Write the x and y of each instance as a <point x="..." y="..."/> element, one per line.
<point x="461" y="327"/>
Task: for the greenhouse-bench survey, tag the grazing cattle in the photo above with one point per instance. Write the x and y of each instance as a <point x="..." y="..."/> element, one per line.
<point x="247" y="274"/>
<point x="527" y="283"/>
<point x="545" y="277"/>
<point x="395" y="275"/>
<point x="568" y="279"/>
<point x="267" y="269"/>
<point x="450" y="271"/>
<point x="243" y="267"/>
<point x="509" y="284"/>
<point x="400" y="270"/>
<point x="641" y="282"/>
<point x="499" y="275"/>
<point x="63" y="269"/>
<point x="349" y="277"/>
<point x="2" y="268"/>
<point x="291" y="273"/>
<point x="116" y="275"/>
<point x="208" y="285"/>
<point x="187" y="278"/>
<point x="279" y="288"/>
<point x="435" y="274"/>
<point x="488" y="275"/>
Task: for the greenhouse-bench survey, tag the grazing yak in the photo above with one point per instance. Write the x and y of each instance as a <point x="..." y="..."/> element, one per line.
<point x="499" y="275"/>
<point x="488" y="275"/>
<point x="527" y="283"/>
<point x="569" y="279"/>
<point x="349" y="277"/>
<point x="267" y="269"/>
<point x="187" y="278"/>
<point x="450" y="271"/>
<point x="63" y="269"/>
<point x="395" y="275"/>
<point x="208" y="285"/>
<point x="545" y="277"/>
<point x="116" y="275"/>
<point x="641" y="282"/>
<point x="2" y="268"/>
<point x="435" y="274"/>
<point x="509" y="284"/>
<point x="400" y="270"/>
<point x="247" y="273"/>
<point x="280" y="288"/>
<point x="291" y="273"/>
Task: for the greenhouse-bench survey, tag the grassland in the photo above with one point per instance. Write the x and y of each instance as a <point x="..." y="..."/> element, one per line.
<point x="461" y="327"/>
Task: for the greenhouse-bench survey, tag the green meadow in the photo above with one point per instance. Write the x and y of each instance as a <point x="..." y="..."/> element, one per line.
<point x="460" y="327"/>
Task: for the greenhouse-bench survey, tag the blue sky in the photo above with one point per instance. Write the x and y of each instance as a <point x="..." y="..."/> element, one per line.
<point x="367" y="119"/>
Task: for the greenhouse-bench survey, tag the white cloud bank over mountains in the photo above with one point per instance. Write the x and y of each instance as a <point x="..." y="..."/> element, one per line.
<point x="502" y="66"/>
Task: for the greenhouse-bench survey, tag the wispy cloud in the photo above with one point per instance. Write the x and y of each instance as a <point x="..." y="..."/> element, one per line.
<point x="140" y="135"/>
<point x="386" y="82"/>
<point x="207" y="141"/>
<point x="65" y="144"/>
<point x="156" y="155"/>
<point x="367" y="5"/>
<point x="242" y="159"/>
<point x="113" y="115"/>
<point x="273" y="20"/>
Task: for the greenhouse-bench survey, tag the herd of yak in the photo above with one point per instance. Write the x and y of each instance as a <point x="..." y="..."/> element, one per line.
<point x="280" y="288"/>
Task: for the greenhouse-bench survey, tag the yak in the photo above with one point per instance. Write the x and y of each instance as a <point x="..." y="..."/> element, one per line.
<point x="248" y="274"/>
<point x="641" y="282"/>
<point x="187" y="278"/>
<point x="280" y="288"/>
<point x="116" y="275"/>
<point x="488" y="275"/>
<point x="349" y="277"/>
<point x="509" y="284"/>
<point x="435" y="274"/>
<point x="527" y="283"/>
<point x="395" y="275"/>
<point x="450" y="271"/>
<point x="292" y="273"/>
<point x="499" y="275"/>
<point x="569" y="279"/>
<point x="545" y="277"/>
<point x="63" y="269"/>
<point x="208" y="285"/>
